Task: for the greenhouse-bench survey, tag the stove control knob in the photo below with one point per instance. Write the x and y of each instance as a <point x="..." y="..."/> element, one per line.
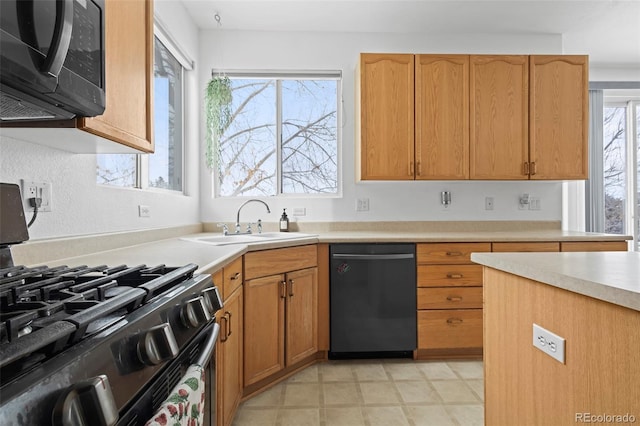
<point x="195" y="313"/>
<point x="87" y="403"/>
<point x="158" y="344"/>
<point x="212" y="299"/>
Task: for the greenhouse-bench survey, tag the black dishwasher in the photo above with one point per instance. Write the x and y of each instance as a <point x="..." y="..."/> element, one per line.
<point x="372" y="300"/>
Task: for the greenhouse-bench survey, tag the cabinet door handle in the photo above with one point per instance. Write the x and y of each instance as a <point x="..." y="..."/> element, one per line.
<point x="454" y="298"/>
<point x="283" y="289"/>
<point x="419" y="168"/>
<point x="224" y="336"/>
<point x="525" y="169"/>
<point x="411" y="168"/>
<point x="229" y="328"/>
<point x="454" y="275"/>
<point x="454" y="253"/>
<point x="235" y="276"/>
<point x="533" y="168"/>
<point x="454" y="321"/>
<point x="290" y="288"/>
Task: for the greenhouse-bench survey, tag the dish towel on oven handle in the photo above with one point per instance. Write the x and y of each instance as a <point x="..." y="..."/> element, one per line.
<point x="185" y="404"/>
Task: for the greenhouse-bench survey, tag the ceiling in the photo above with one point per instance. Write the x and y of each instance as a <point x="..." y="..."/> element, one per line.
<point x="607" y="30"/>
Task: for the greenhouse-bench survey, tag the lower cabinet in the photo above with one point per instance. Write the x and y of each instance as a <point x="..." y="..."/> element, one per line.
<point x="281" y="310"/>
<point x="449" y="300"/>
<point x="229" y="355"/>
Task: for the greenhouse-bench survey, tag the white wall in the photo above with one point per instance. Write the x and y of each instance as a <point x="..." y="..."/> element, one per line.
<point x="403" y="201"/>
<point x="82" y="207"/>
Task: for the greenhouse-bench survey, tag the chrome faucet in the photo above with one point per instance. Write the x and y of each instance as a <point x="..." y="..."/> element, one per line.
<point x="240" y="208"/>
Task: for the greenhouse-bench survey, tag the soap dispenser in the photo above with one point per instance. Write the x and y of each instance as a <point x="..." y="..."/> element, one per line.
<point x="284" y="221"/>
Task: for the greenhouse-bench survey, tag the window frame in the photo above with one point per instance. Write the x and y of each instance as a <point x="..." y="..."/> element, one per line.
<point x="614" y="94"/>
<point x="141" y="181"/>
<point x="278" y="76"/>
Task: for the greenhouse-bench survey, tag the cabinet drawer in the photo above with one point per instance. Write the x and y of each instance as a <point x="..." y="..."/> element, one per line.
<point x="278" y="261"/>
<point x="526" y="247"/>
<point x="450" y="298"/>
<point x="449" y="275"/>
<point x="443" y="329"/>
<point x="449" y="253"/>
<point x="232" y="277"/>
<point x="594" y="246"/>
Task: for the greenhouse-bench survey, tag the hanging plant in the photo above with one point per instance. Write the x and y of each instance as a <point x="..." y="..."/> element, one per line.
<point x="218" y="99"/>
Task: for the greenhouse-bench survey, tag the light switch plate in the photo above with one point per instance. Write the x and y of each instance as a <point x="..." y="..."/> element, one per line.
<point x="549" y="343"/>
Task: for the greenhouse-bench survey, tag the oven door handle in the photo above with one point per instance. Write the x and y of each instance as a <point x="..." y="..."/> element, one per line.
<point x="209" y="345"/>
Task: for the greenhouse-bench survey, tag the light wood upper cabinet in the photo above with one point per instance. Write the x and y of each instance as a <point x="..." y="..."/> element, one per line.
<point x="442" y="117"/>
<point x="559" y="117"/>
<point x="499" y="110"/>
<point x="128" y="115"/>
<point x="386" y="114"/>
<point x="480" y="117"/>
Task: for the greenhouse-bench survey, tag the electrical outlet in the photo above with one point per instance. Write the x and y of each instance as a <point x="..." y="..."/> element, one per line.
<point x="362" y="205"/>
<point x="534" y="203"/>
<point x="144" y="211"/>
<point x="488" y="203"/>
<point x="549" y="343"/>
<point x="40" y="190"/>
<point x="299" y="211"/>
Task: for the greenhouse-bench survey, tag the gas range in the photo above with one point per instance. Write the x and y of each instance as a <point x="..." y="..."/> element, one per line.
<point x="112" y="327"/>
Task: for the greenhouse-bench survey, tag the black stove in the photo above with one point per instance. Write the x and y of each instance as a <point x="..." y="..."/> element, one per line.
<point x="60" y="326"/>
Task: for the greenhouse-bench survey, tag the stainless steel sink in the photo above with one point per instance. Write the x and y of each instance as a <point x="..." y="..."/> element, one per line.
<point x="223" y="240"/>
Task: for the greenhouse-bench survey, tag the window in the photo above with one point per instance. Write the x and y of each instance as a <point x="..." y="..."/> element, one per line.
<point x="281" y="137"/>
<point x="622" y="167"/>
<point x="613" y="196"/>
<point x="164" y="166"/>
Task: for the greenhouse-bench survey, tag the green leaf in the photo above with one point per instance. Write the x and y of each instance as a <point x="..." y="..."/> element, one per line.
<point x="176" y="399"/>
<point x="194" y="411"/>
<point x="192" y="382"/>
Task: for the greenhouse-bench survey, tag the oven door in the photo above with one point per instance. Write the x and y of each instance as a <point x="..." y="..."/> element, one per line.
<point x="200" y="352"/>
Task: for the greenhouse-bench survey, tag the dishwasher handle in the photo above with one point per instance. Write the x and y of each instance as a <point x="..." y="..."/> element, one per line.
<point x="372" y="256"/>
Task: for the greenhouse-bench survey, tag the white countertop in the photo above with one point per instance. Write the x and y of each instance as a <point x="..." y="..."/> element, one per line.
<point x="609" y="276"/>
<point x="128" y="248"/>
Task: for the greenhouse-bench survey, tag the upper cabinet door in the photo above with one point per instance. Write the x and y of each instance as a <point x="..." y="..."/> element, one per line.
<point x="499" y="117"/>
<point x="442" y="117"/>
<point x="559" y="117"/>
<point x="128" y="115"/>
<point x="386" y="114"/>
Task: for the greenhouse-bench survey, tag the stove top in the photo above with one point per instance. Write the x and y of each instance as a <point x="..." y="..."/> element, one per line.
<point x="46" y="309"/>
<point x="62" y="327"/>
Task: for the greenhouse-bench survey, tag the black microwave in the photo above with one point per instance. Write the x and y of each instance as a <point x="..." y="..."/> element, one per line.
<point x="52" y="55"/>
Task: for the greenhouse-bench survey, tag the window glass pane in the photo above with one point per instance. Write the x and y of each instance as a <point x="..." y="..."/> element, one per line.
<point x="165" y="165"/>
<point x="247" y="151"/>
<point x="637" y="107"/>
<point x="116" y="169"/>
<point x="614" y="144"/>
<point x="309" y="136"/>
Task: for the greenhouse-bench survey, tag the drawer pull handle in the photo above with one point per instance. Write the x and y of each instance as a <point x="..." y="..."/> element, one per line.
<point x="454" y="253"/>
<point x="454" y="298"/>
<point x="224" y="336"/>
<point x="454" y="275"/>
<point x="283" y="289"/>
<point x="235" y="276"/>
<point x="454" y="321"/>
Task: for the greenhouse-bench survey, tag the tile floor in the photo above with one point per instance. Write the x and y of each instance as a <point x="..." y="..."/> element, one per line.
<point x="372" y="392"/>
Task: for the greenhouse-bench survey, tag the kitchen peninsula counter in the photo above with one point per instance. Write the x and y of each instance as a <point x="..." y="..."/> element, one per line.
<point x="592" y="301"/>
<point x="612" y="277"/>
